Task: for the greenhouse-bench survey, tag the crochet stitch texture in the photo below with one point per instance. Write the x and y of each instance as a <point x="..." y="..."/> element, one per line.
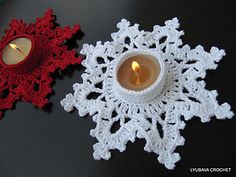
<point x="160" y="119"/>
<point x="34" y="86"/>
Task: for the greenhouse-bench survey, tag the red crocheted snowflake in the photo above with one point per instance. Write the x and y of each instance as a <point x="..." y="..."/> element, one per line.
<point x="35" y="85"/>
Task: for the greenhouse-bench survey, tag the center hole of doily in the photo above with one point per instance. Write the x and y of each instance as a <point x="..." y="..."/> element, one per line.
<point x="138" y="72"/>
<point x="16" y="51"/>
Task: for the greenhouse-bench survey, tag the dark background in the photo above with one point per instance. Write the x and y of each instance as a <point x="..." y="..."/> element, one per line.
<point x="37" y="143"/>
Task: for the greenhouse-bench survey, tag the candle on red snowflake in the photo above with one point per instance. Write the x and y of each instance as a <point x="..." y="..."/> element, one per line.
<point x="21" y="54"/>
<point x="29" y="54"/>
<point x="16" y="51"/>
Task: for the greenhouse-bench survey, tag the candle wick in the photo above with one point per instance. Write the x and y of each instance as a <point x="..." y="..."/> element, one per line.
<point x="138" y="82"/>
<point x="15" y="47"/>
<point x="20" y="51"/>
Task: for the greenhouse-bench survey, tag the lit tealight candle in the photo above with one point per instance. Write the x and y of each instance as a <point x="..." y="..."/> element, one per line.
<point x="138" y="72"/>
<point x="139" y="76"/>
<point x="16" y="51"/>
<point x="21" y="54"/>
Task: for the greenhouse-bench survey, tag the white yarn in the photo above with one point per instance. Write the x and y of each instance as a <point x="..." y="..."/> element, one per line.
<point x="184" y="94"/>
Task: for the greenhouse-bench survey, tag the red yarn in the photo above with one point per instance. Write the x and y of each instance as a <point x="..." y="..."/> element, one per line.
<point x="30" y="80"/>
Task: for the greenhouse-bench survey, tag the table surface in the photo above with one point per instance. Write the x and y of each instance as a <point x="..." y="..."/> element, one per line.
<point x="55" y="143"/>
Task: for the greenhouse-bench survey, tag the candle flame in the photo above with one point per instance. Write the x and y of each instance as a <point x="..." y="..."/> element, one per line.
<point x="13" y="46"/>
<point x="135" y="66"/>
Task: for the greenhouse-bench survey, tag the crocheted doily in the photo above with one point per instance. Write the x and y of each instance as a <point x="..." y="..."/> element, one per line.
<point x="157" y="121"/>
<point x="34" y="86"/>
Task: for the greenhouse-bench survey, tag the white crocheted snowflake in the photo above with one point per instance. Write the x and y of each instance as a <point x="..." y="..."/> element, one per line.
<point x="157" y="121"/>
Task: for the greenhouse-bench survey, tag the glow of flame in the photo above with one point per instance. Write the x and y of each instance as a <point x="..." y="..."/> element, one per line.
<point x="135" y="66"/>
<point x="13" y="46"/>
